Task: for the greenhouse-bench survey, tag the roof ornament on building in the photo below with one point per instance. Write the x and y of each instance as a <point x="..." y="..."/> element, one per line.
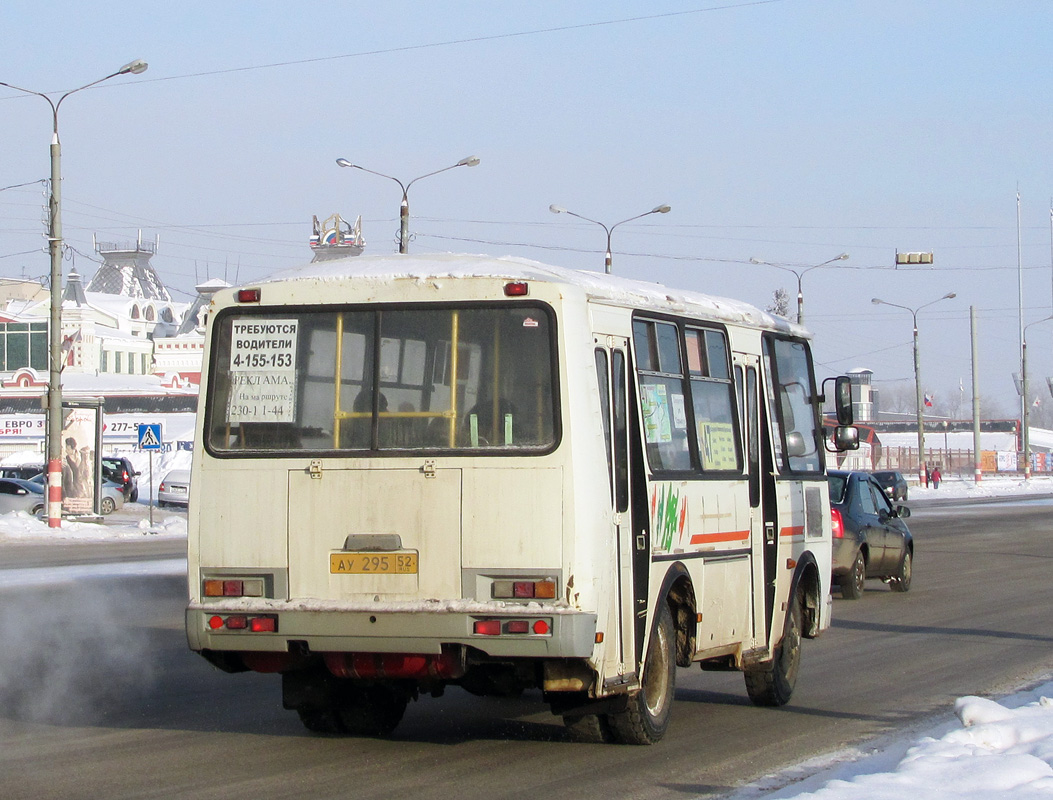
<point x="126" y="270"/>
<point x="336" y="238"/>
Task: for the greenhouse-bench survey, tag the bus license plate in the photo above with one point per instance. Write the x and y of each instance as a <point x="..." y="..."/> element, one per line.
<point x="373" y="563"/>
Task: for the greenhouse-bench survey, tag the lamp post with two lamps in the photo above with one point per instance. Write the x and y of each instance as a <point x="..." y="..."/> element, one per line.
<point x="470" y="161"/>
<point x="922" y="473"/>
<point x="54" y="428"/>
<point x="1024" y="390"/>
<point x="800" y="273"/>
<point x="663" y="209"/>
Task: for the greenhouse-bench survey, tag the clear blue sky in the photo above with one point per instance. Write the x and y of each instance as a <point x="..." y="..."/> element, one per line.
<point x="786" y="131"/>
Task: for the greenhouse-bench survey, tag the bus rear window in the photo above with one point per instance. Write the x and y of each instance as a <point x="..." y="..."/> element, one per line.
<point x="466" y="378"/>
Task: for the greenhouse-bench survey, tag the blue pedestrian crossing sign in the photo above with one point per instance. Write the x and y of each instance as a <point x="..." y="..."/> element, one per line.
<point x="150" y="436"/>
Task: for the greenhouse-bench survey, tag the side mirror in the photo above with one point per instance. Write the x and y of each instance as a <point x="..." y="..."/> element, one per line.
<point x="846" y="437"/>
<point x="842" y="398"/>
<point x="137" y="474"/>
<point x="902" y="512"/>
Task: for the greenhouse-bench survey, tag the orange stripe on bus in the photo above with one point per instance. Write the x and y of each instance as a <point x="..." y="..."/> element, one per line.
<point x="728" y="536"/>
<point x="796" y="530"/>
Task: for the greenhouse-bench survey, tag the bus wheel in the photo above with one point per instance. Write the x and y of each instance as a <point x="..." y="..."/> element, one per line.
<point x="371" y="710"/>
<point x="321" y="720"/>
<point x="592" y="728"/>
<point x="772" y="683"/>
<point x="646" y="717"/>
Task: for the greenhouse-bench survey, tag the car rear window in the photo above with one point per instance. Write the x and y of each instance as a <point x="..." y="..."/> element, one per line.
<point x="837" y="488"/>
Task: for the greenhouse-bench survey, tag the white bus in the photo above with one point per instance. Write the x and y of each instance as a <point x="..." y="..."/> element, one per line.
<point x="416" y="472"/>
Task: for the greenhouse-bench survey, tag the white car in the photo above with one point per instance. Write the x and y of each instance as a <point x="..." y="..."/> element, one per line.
<point x="174" y="489"/>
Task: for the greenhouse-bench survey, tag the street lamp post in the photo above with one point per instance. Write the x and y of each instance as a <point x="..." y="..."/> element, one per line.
<point x="54" y="429"/>
<point x="800" y="276"/>
<point x="917" y="376"/>
<point x="663" y="209"/>
<point x="470" y="161"/>
<point x="1024" y="392"/>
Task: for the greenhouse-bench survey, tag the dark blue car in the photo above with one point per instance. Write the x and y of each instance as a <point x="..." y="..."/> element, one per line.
<point x="870" y="538"/>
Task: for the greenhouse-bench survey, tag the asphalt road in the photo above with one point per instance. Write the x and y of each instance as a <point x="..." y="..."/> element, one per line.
<point x="100" y="698"/>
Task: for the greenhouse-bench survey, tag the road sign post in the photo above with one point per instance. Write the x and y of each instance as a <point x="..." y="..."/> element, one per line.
<point x="151" y="440"/>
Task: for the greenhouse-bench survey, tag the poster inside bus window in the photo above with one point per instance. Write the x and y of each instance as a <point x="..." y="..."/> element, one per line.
<point x="716" y="446"/>
<point x="654" y="400"/>
<point x="263" y="370"/>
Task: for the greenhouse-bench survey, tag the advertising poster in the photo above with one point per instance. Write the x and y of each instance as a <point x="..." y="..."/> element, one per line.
<point x="78" y="460"/>
<point x="263" y="370"/>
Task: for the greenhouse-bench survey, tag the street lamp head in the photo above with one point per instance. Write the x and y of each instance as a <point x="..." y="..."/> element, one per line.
<point x="842" y="257"/>
<point x="877" y="301"/>
<point x="949" y="296"/>
<point x="343" y="162"/>
<point x="134" y="67"/>
<point x="557" y="209"/>
<point x="470" y="161"/>
<point x="660" y="210"/>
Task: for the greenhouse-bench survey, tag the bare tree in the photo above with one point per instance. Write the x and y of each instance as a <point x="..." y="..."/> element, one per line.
<point x="780" y="304"/>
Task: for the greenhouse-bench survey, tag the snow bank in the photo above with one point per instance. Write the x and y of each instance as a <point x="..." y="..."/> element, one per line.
<point x="998" y="751"/>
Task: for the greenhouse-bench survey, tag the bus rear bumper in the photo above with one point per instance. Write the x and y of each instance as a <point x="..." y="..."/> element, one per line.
<point x="518" y="632"/>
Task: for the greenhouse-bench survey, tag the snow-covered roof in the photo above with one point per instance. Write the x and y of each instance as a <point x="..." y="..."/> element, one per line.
<point x="596" y="286"/>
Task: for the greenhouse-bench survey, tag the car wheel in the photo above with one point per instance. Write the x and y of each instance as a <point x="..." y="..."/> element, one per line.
<point x="772" y="683"/>
<point x="107" y="505"/>
<point x="37" y="510"/>
<point x="134" y="495"/>
<point x="646" y="715"/>
<point x="853" y="582"/>
<point x="900" y="582"/>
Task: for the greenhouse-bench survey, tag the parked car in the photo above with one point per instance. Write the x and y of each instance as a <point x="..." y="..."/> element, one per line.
<point x="894" y="484"/>
<point x="870" y="538"/>
<point x="112" y="493"/>
<point x="174" y="489"/>
<point x="120" y="470"/>
<point x="19" y="495"/>
<point x="23" y="471"/>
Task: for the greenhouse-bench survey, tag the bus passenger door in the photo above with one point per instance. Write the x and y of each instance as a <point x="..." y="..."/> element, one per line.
<point x="616" y="400"/>
<point x="761" y="478"/>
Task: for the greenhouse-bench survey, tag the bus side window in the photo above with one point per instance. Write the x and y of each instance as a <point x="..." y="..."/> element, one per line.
<point x="603" y="381"/>
<point x="713" y="401"/>
<point x="621" y="431"/>
<point x="663" y="404"/>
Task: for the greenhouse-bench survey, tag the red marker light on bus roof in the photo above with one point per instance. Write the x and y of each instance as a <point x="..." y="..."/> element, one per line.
<point x="518" y="289"/>
<point x="248" y="295"/>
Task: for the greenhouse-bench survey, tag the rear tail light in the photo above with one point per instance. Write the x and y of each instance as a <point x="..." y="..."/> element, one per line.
<point x="544" y="589"/>
<point x="837" y="524"/>
<point x="248" y="295"/>
<point x="487" y="627"/>
<point x="512" y="627"/>
<point x="245" y="587"/>
<point x="241" y="622"/>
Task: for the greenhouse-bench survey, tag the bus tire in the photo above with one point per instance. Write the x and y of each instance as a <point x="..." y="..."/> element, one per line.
<point x="371" y="710"/>
<point x="772" y="683"/>
<point x="321" y="720"/>
<point x="900" y="582"/>
<point x="646" y="716"/>
<point x="591" y="728"/>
